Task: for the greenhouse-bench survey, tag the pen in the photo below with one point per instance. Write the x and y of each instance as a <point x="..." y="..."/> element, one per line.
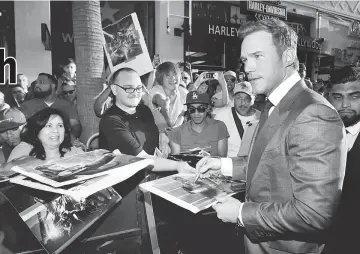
<point x="198" y="174"/>
<point x="197" y="177"/>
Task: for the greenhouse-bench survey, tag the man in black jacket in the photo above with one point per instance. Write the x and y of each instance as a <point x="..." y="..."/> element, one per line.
<point x="344" y="95"/>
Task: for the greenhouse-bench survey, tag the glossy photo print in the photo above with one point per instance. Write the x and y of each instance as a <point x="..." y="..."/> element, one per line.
<point x="125" y="45"/>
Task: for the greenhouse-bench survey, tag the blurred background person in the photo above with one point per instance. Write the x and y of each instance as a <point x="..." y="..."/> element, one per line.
<point x="12" y="121"/>
<point x="18" y="93"/>
<point x="3" y="104"/>
<point x="67" y="72"/>
<point x="23" y="81"/>
<point x="318" y="86"/>
<point x="68" y="92"/>
<point x="302" y="73"/>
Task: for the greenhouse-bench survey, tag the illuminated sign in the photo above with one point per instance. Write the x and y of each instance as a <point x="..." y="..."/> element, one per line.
<point x="223" y="30"/>
<point x="267" y="9"/>
<point x="309" y="43"/>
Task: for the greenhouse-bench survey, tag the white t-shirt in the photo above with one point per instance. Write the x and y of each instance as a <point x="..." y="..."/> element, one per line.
<point x="234" y="142"/>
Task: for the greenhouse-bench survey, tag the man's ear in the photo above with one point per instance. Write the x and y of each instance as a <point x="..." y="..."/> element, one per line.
<point x="288" y="57"/>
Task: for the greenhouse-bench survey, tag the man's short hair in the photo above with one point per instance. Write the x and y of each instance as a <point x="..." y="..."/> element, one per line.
<point x="345" y="74"/>
<point x="284" y="37"/>
<point x="50" y="77"/>
<point x="116" y="73"/>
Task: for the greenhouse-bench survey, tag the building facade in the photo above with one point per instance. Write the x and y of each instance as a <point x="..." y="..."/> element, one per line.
<point x="212" y="43"/>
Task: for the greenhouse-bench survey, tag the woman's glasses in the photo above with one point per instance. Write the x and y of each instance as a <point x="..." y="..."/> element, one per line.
<point x="138" y="89"/>
<point x="200" y="109"/>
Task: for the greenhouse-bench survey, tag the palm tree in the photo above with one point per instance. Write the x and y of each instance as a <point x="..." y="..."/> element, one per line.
<point x="88" y="42"/>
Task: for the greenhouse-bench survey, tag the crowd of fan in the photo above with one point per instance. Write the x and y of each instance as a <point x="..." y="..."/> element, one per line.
<point x="189" y="109"/>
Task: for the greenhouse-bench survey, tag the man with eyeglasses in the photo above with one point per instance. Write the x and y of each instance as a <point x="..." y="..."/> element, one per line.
<point x="238" y="117"/>
<point x="128" y="125"/>
<point x="230" y="78"/>
<point x="201" y="131"/>
<point x="68" y="92"/>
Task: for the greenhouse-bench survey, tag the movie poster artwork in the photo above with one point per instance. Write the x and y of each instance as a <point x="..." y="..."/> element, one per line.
<point x="48" y="221"/>
<point x="125" y="45"/>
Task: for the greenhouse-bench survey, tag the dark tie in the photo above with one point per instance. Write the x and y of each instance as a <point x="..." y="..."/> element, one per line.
<point x="264" y="114"/>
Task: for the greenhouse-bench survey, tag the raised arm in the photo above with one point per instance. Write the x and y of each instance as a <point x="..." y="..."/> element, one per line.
<point x="225" y="93"/>
<point x="100" y="102"/>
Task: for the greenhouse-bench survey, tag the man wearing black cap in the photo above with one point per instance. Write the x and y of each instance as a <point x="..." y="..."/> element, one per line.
<point x="201" y="131"/>
<point x="302" y="73"/>
<point x="11" y="121"/>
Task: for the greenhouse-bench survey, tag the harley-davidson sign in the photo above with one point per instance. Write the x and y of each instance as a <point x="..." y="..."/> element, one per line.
<point x="267" y="9"/>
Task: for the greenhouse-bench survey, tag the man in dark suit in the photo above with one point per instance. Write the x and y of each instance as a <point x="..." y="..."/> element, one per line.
<point x="295" y="169"/>
<point x="344" y="95"/>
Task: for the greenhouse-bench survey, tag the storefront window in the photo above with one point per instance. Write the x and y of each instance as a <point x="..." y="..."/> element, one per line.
<point x="214" y="44"/>
<point x="341" y="45"/>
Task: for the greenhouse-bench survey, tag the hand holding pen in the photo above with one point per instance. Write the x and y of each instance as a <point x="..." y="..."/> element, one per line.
<point x="206" y="164"/>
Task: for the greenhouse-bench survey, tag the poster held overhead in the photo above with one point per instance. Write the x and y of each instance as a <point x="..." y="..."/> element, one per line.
<point x="125" y="46"/>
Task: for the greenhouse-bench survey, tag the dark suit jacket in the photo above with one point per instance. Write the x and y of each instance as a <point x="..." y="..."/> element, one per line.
<point x="294" y="186"/>
<point x="343" y="237"/>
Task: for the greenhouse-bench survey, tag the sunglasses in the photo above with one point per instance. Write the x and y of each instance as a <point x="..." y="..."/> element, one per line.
<point x="230" y="80"/>
<point x="68" y="92"/>
<point x="200" y="109"/>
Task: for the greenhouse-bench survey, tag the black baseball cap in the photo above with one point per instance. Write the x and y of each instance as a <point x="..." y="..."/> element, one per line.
<point x="194" y="97"/>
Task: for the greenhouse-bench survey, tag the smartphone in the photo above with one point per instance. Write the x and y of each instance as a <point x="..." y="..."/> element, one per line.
<point x="211" y="75"/>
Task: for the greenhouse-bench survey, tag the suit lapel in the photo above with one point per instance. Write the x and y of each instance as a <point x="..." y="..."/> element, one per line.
<point x="357" y="141"/>
<point x="274" y="121"/>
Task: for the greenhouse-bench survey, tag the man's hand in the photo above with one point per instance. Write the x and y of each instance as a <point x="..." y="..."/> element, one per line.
<point x="227" y="209"/>
<point x="184" y="167"/>
<point x="207" y="163"/>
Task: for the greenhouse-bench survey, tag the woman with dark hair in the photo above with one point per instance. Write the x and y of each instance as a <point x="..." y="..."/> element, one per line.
<point x="46" y="136"/>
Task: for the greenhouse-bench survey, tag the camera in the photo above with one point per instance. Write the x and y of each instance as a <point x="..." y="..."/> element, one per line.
<point x="211" y="75"/>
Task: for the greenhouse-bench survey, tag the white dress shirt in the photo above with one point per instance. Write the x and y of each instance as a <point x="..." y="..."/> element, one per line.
<point x="225" y="115"/>
<point x="351" y="136"/>
<point x="275" y="97"/>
